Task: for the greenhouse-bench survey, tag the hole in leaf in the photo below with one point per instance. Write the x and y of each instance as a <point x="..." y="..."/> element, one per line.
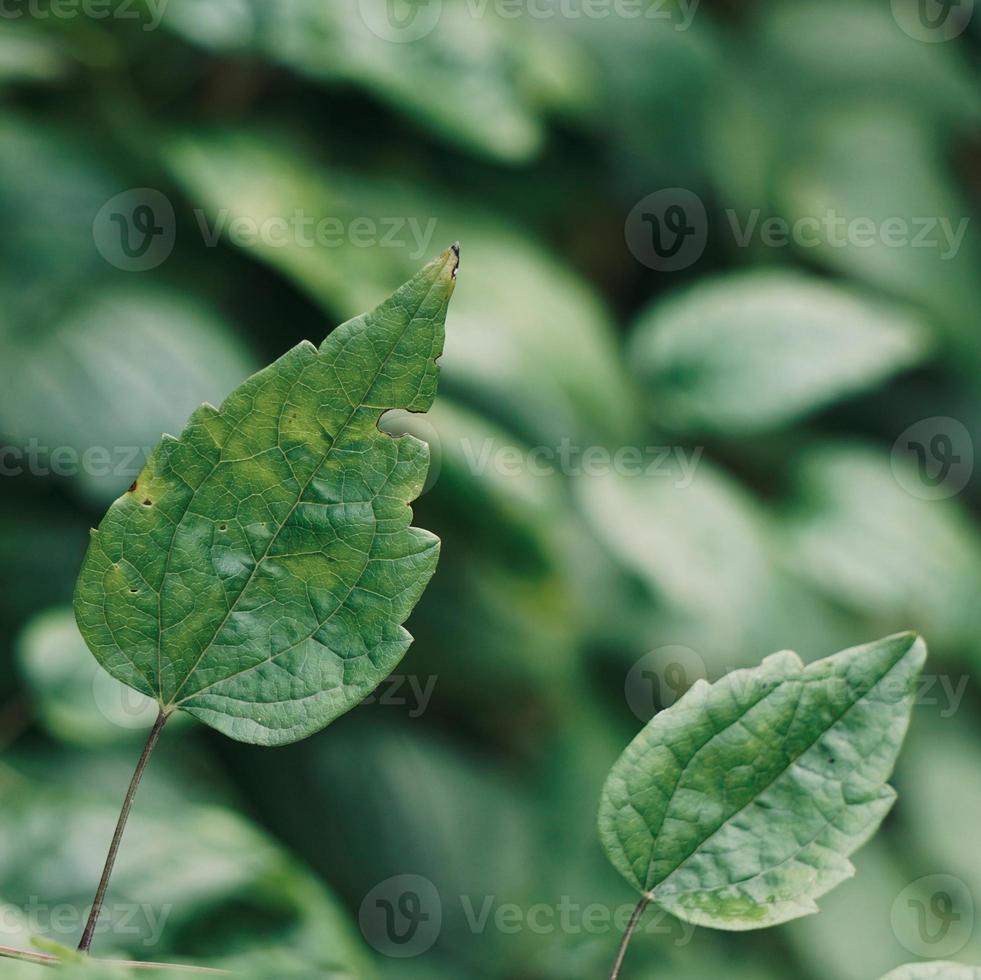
<point x="148" y="502"/>
<point x="222" y="527"/>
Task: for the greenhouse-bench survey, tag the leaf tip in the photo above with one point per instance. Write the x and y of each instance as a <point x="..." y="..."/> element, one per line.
<point x="454" y="249"/>
<point x="915" y="645"/>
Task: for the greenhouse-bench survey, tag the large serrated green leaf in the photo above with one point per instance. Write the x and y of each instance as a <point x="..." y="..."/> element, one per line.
<point x="935" y="971"/>
<point x="738" y="806"/>
<point x="257" y="572"/>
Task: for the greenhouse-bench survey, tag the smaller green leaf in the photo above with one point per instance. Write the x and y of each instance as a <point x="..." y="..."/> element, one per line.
<point x="754" y="351"/>
<point x="935" y="971"/>
<point x="738" y="806"/>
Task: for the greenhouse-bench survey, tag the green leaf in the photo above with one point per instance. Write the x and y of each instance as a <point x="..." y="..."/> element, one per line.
<point x="74" y="698"/>
<point x="754" y="351"/>
<point x="842" y="166"/>
<point x="738" y="806"/>
<point x="109" y="374"/>
<point x="857" y="535"/>
<point x="201" y="883"/>
<point x="935" y="971"/>
<point x="257" y="572"/>
<point x="833" y="50"/>
<point x="696" y="539"/>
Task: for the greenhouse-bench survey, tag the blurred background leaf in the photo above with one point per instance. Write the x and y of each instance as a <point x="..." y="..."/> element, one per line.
<point x="640" y="476"/>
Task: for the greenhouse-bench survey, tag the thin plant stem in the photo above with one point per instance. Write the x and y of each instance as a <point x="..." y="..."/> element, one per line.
<point x="117" y="837"/>
<point x="627" y="935"/>
<point x="48" y="959"/>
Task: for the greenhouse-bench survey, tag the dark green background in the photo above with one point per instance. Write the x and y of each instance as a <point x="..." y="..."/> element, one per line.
<point x="793" y="374"/>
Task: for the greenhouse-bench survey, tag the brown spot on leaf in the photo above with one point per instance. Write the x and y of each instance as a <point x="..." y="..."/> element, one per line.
<point x="132" y="487"/>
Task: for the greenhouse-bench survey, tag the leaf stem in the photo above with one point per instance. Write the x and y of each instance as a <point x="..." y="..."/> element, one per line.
<point x="117" y="837"/>
<point x="627" y="935"/>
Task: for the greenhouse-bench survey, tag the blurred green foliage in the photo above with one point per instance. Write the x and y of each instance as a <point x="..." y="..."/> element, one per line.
<point x="783" y="385"/>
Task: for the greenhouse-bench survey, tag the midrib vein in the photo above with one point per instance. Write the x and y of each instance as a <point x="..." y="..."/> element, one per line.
<point x="299" y="497"/>
<point x="790" y="764"/>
